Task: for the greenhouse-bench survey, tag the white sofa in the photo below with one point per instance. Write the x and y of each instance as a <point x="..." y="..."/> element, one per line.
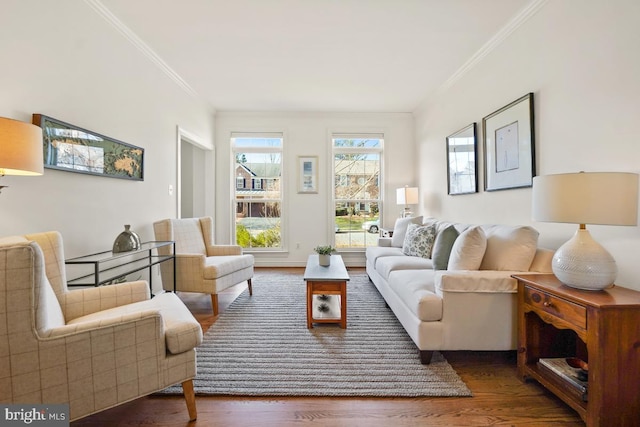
<point x="460" y="295"/>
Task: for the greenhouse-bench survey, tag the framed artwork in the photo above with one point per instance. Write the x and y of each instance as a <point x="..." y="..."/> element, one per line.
<point x="462" y="151"/>
<point x="307" y="174"/>
<point x="509" y="146"/>
<point x="71" y="148"/>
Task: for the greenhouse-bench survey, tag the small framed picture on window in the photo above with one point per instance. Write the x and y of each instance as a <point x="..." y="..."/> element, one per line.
<point x="308" y="174"/>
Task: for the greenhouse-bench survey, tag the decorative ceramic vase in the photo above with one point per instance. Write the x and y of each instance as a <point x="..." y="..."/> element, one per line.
<point x="126" y="241"/>
<point x="324" y="260"/>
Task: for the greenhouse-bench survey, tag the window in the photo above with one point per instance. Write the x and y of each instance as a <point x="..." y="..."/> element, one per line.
<point x="257" y="196"/>
<point x="356" y="195"/>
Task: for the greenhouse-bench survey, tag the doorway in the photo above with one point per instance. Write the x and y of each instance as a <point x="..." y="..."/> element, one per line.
<point x="191" y="176"/>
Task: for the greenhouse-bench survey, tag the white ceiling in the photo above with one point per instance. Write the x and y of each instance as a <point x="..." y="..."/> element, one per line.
<point x="312" y="55"/>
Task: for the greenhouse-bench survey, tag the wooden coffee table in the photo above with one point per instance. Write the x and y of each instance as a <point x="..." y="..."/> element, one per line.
<point x="331" y="280"/>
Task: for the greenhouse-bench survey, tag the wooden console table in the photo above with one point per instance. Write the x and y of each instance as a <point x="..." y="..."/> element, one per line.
<point x="599" y="327"/>
<point x="331" y="280"/>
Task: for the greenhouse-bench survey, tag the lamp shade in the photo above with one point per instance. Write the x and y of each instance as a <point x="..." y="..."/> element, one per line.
<point x="605" y="198"/>
<point x="20" y="148"/>
<point x="407" y="196"/>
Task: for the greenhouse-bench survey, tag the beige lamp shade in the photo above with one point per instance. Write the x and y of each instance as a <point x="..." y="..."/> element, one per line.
<point x="407" y="196"/>
<point x="605" y="198"/>
<point x="20" y="148"/>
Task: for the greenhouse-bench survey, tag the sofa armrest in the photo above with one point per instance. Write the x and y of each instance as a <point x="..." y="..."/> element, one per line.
<point x="81" y="302"/>
<point x="218" y="250"/>
<point x="384" y="242"/>
<point x="542" y="261"/>
<point x="489" y="281"/>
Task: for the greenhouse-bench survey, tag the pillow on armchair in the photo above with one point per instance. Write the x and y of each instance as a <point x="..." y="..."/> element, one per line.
<point x="400" y="229"/>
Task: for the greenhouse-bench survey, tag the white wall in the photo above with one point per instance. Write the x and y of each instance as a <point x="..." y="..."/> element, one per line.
<point x="309" y="135"/>
<point x="63" y="60"/>
<point x="582" y="61"/>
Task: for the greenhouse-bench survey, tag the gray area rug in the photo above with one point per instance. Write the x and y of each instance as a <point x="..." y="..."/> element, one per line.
<point x="260" y="346"/>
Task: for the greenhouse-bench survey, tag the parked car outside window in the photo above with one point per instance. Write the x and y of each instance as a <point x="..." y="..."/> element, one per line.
<point x="371" y="226"/>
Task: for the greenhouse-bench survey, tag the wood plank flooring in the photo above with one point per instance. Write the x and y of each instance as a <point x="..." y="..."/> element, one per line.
<point x="500" y="398"/>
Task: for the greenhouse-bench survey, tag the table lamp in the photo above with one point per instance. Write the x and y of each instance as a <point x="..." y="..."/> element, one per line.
<point x="20" y="148"/>
<point x="603" y="198"/>
<point x="407" y="196"/>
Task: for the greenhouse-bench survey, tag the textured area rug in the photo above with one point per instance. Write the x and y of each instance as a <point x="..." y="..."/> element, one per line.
<point x="260" y="346"/>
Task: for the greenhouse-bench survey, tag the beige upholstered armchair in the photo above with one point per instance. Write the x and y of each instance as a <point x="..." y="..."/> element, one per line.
<point x="201" y="266"/>
<point x="92" y="348"/>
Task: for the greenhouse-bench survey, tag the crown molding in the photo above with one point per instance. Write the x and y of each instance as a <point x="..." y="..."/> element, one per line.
<point x="516" y="22"/>
<point x="133" y="38"/>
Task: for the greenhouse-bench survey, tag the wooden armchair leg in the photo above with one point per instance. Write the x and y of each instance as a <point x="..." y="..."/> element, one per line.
<point x="250" y="289"/>
<point x="214" y="303"/>
<point x="190" y="398"/>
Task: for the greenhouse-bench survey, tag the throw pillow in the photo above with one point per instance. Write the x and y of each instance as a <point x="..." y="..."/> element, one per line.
<point x="400" y="229"/>
<point x="468" y="250"/>
<point x="419" y="240"/>
<point x="442" y="247"/>
<point x="510" y="248"/>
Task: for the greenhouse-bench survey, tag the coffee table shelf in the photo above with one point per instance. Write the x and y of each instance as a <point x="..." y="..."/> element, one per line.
<point x="331" y="280"/>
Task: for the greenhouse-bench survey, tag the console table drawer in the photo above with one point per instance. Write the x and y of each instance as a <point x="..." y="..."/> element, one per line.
<point x="542" y="302"/>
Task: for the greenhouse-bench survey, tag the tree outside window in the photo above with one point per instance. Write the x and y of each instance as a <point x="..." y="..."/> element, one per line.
<point x="356" y="163"/>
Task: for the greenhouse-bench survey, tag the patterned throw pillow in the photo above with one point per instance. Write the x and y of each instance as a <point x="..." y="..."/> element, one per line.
<point x="419" y="240"/>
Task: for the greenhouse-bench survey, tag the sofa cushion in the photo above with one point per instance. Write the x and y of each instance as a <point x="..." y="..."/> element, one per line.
<point x="509" y="248"/>
<point x="387" y="264"/>
<point x="442" y="247"/>
<point x="468" y="250"/>
<point x="419" y="240"/>
<point x="375" y="252"/>
<point x="416" y="290"/>
<point x="400" y="229"/>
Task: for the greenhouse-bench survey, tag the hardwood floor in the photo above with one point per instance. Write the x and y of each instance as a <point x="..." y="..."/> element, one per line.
<point x="499" y="397"/>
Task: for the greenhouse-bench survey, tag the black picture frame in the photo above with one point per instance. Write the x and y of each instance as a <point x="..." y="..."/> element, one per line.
<point x="509" y="146"/>
<point x="71" y="148"/>
<point x="462" y="155"/>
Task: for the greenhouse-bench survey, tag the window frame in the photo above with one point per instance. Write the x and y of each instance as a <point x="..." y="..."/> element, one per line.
<point x="342" y="179"/>
<point x="233" y="196"/>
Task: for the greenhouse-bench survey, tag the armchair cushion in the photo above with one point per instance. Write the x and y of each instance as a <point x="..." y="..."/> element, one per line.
<point x="219" y="266"/>
<point x="190" y="232"/>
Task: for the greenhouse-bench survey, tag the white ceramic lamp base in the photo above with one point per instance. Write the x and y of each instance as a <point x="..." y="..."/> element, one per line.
<point x="584" y="264"/>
